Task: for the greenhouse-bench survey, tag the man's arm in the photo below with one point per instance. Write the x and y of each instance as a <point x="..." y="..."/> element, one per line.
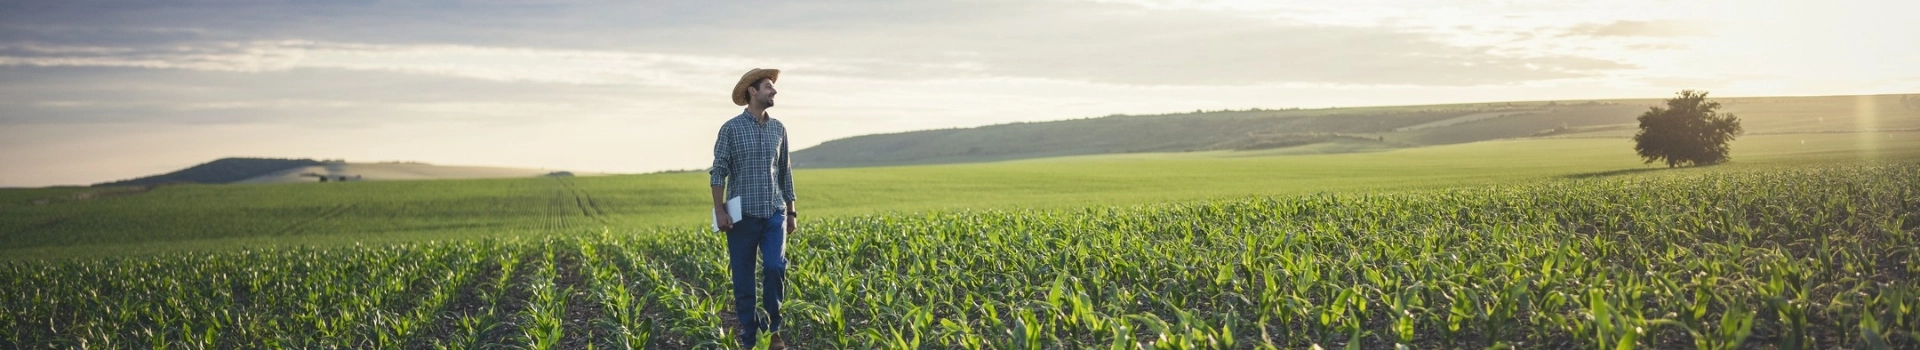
<point x="720" y="208"/>
<point x="786" y="172"/>
<point x="793" y="221"/>
<point x="786" y="183"/>
<point x="717" y="178"/>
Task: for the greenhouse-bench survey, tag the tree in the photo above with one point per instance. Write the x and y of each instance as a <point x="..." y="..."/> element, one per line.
<point x="1688" y="131"/>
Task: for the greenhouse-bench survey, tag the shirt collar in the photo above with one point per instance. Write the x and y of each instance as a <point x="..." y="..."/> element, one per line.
<point x="748" y="114"/>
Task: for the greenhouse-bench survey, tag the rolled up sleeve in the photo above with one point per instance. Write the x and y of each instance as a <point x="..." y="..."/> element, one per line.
<point x="721" y="161"/>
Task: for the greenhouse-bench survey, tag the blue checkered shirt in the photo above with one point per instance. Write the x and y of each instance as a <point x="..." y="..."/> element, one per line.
<point x="750" y="158"/>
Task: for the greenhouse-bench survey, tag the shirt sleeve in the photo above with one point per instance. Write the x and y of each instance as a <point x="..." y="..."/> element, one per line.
<point x="721" y="161"/>
<point x="786" y="168"/>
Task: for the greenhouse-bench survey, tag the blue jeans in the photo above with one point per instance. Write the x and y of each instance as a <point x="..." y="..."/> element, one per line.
<point x="769" y="238"/>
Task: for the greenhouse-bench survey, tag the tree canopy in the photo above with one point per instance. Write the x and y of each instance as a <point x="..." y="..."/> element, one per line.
<point x="1690" y="130"/>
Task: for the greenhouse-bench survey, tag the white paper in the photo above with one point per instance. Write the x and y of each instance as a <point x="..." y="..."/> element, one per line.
<point x="733" y="212"/>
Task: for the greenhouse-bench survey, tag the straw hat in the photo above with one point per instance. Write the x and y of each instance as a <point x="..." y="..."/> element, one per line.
<point x="740" y="88"/>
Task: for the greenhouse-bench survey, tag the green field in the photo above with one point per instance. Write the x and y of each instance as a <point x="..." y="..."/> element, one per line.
<point x="214" y="217"/>
<point x="1804" y="256"/>
<point x="1805" y="240"/>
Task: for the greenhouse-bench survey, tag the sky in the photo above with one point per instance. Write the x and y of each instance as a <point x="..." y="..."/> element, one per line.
<point x="96" y="91"/>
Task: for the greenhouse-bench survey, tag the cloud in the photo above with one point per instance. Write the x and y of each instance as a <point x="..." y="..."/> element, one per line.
<point x="1663" y="28"/>
<point x="328" y="97"/>
<point x="235" y="57"/>
<point x="1134" y="45"/>
<point x="671" y="44"/>
<point x="486" y="63"/>
<point x="1277" y="54"/>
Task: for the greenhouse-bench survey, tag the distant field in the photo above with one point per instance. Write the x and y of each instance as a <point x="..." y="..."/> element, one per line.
<point x="224" y="217"/>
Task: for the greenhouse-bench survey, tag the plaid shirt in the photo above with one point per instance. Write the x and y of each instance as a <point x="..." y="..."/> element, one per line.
<point x="750" y="158"/>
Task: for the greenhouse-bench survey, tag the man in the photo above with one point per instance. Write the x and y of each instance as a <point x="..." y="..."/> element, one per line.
<point x="750" y="162"/>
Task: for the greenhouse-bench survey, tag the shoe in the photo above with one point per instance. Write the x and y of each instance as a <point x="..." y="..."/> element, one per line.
<point x="747" y="339"/>
<point x="777" y="343"/>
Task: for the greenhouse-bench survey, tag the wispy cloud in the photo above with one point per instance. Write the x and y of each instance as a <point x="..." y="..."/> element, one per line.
<point x="1109" y="43"/>
<point x="1666" y="28"/>
<point x="487" y="63"/>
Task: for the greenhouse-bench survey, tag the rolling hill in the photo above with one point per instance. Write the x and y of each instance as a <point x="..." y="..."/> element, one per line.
<point x="219" y="171"/>
<point x="392" y="171"/>
<point x="1340" y="130"/>
<point x="271" y="170"/>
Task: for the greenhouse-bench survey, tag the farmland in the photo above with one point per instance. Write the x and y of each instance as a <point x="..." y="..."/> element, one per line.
<point x="1807" y="257"/>
<point x="1805" y="241"/>
<point x="196" y="217"/>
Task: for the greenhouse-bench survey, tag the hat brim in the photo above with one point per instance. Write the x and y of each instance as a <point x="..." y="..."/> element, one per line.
<point x="740" y="88"/>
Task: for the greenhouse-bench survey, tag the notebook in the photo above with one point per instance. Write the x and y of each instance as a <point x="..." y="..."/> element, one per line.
<point x="733" y="211"/>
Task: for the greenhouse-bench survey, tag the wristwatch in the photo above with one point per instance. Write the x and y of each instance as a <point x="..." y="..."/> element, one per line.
<point x="793" y="214"/>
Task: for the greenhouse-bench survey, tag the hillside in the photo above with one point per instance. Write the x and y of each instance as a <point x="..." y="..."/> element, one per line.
<point x="391" y="171"/>
<point x="270" y="170"/>
<point x="219" y="171"/>
<point x="1339" y="130"/>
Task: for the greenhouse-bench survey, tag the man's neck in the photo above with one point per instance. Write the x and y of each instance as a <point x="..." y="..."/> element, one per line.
<point x="759" y="113"/>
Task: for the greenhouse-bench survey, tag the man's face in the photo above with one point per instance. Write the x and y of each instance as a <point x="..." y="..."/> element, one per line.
<point x="762" y="92"/>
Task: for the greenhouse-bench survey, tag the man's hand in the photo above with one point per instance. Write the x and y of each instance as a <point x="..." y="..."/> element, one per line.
<point x="792" y="224"/>
<point x="725" y="222"/>
<point x="720" y="216"/>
